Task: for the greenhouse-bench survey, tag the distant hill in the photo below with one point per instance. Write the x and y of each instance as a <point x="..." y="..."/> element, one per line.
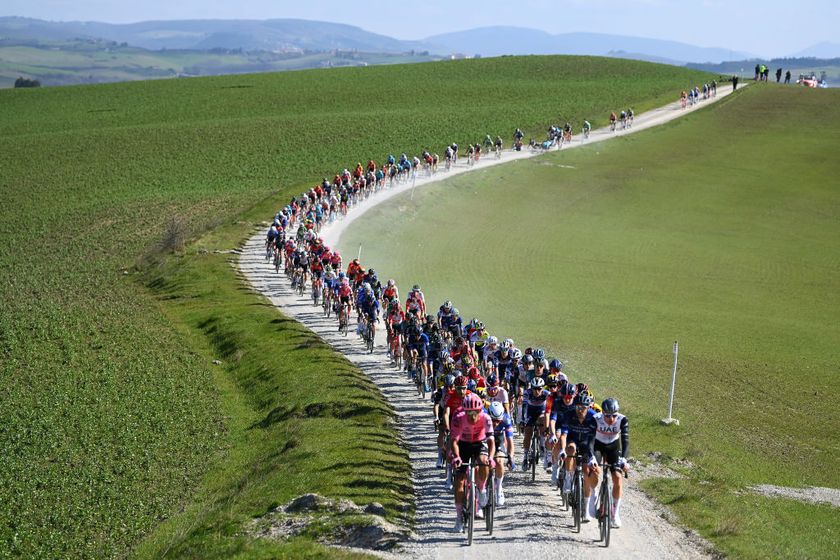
<point x="268" y="35"/>
<point x="289" y="34"/>
<point x="495" y="41"/>
<point x="825" y="49"/>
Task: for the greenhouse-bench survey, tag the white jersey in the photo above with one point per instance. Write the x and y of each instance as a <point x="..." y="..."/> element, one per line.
<point x="500" y="396"/>
<point x="608" y="433"/>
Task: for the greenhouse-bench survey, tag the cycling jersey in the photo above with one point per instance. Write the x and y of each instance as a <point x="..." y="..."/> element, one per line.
<point x="534" y="406"/>
<point x="471" y="432"/>
<point x="619" y="430"/>
<point x="501" y="395"/>
<point x="501" y="432"/>
<point x="582" y="434"/>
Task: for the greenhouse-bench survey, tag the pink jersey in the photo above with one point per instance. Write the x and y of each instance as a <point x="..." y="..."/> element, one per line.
<point x="464" y="430"/>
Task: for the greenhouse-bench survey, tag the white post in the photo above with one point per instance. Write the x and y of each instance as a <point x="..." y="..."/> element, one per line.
<point x="359" y="256"/>
<point x="671" y="419"/>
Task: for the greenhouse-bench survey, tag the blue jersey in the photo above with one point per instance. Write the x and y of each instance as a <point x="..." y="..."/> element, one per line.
<point x="581" y="434"/>
<point x="535" y="404"/>
<point x="503" y="428"/>
<point x="369" y="306"/>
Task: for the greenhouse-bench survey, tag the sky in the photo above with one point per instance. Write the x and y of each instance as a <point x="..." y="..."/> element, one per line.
<point x="764" y="28"/>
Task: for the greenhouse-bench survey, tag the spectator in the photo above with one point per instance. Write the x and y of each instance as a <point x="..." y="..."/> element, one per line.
<point x="787" y="77"/>
<point x="757" y="72"/>
<point x="735" y="82"/>
<point x="778" y="75"/>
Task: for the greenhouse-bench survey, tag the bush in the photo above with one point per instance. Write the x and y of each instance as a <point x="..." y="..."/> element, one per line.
<point x="26" y="82"/>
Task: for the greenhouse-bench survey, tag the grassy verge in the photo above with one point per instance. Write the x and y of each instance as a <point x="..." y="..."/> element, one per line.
<point x="720" y="230"/>
<point x="299" y="417"/>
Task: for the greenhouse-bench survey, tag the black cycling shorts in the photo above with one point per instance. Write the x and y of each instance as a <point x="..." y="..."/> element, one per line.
<point x="471" y="452"/>
<point x="609" y="451"/>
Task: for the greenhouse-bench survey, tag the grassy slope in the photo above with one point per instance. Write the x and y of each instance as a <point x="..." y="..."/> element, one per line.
<point x="720" y="230"/>
<point x="110" y="389"/>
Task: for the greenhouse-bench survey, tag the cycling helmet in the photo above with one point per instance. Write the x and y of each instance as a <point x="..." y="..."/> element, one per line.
<point x="555" y="364"/>
<point x="355" y="261"/>
<point x="449" y="380"/>
<point x="391" y="283"/>
<point x="444" y="354"/>
<point x="528" y="359"/>
<point x="416" y="288"/>
<point x="516" y="354"/>
<point x="539" y="354"/>
<point x="447" y="305"/>
<point x="473" y="373"/>
<point x="568" y="390"/>
<point x="492" y="380"/>
<point x="471" y="385"/>
<point x="505" y="345"/>
<point x="466" y="360"/>
<point x="371" y="272"/>
<point x="479" y="325"/>
<point x="561" y="378"/>
<point x="460" y="381"/>
<point x="455" y="312"/>
<point x="336" y="254"/>
<point x="509" y="342"/>
<point x="497" y="410"/>
<point x="551" y="380"/>
<point x="492" y="340"/>
<point x="529" y="351"/>
<point x="582" y="387"/>
<point x="609" y="406"/>
<point x="537" y="383"/>
<point x="542" y="363"/>
<point x="583" y="399"/>
<point x="430" y="318"/>
<point x="472" y="402"/>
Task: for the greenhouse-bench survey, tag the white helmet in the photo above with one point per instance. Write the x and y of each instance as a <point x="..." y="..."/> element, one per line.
<point x="497" y="410"/>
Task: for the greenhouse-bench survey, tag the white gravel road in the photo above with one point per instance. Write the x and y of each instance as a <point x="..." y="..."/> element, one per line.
<point x="530" y="525"/>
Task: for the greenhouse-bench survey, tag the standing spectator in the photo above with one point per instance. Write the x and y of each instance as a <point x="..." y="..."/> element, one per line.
<point x="757" y="72"/>
<point x="778" y="75"/>
<point x="714" y="88"/>
<point x="734" y="83"/>
<point x="787" y="77"/>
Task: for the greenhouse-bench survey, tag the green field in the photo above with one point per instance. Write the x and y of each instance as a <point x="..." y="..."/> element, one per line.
<point x="117" y="431"/>
<point x="86" y="62"/>
<point x="720" y="230"/>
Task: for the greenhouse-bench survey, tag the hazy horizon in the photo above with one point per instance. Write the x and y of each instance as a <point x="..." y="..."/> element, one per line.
<point x="764" y="29"/>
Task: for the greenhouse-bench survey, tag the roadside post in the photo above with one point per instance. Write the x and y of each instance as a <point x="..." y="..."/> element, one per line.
<point x="670" y="419"/>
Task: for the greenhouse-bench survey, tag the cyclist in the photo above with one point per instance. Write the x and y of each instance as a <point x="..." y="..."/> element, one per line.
<point x="497" y="393"/>
<point x="578" y="429"/>
<point x="391" y="293"/>
<point x="416" y="302"/>
<point x="439" y="399"/>
<point x="612" y="120"/>
<point x="612" y="442"/>
<point x="472" y="441"/>
<point x="629" y="117"/>
<point x="533" y="413"/>
<point x="517" y="136"/>
<point x="562" y="403"/>
<point x="503" y="434"/>
<point x="623" y="118"/>
<point x="587" y="128"/>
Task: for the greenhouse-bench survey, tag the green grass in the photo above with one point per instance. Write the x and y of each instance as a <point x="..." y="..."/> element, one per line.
<point x="719" y="230"/>
<point x="113" y="419"/>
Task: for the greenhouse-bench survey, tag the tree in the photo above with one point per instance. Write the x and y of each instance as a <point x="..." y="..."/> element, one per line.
<point x="26" y="82"/>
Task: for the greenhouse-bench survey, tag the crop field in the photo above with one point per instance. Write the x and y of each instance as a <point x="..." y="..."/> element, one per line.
<point x="720" y="230"/>
<point x="114" y="422"/>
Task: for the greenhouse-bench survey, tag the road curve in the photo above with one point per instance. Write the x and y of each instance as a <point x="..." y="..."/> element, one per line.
<point x="530" y="525"/>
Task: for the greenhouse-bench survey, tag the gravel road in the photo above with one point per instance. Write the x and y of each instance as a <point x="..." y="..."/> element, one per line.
<point x="530" y="524"/>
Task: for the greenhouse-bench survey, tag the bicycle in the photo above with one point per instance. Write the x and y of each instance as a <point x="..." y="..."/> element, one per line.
<point x="278" y="261"/>
<point x="343" y="319"/>
<point x="301" y="286"/>
<point x="316" y="291"/>
<point x="586" y="134"/>
<point x="534" y="453"/>
<point x="449" y="473"/>
<point x="470" y="499"/>
<point x="490" y="508"/>
<point x="576" y="497"/>
<point x="326" y="301"/>
<point x="605" y="502"/>
<point x="370" y="332"/>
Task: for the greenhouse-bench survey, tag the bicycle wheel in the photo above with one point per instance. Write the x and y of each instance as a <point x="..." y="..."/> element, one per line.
<point x="471" y="505"/>
<point x="606" y="517"/>
<point x="534" y="456"/>
<point x="577" y="502"/>
<point x="422" y="385"/>
<point x="490" y="509"/>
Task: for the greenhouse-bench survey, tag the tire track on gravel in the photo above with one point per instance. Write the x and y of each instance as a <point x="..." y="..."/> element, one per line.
<point x="530" y="522"/>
